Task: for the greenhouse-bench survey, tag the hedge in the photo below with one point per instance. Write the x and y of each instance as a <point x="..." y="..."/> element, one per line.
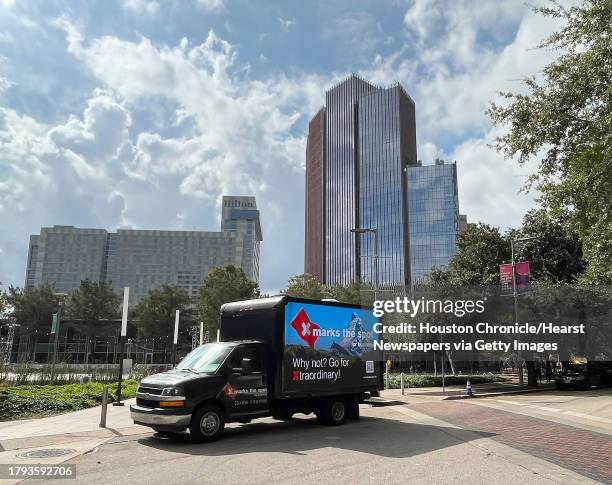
<point x="428" y="380"/>
<point x="18" y="402"/>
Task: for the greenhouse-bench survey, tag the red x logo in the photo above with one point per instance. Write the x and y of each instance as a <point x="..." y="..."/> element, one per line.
<point x="305" y="328"/>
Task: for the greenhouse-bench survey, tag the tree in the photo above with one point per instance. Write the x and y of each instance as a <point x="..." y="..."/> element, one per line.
<point x="3" y="301"/>
<point x="223" y="285"/>
<point x="354" y="293"/>
<point x="480" y="251"/>
<point x="304" y="286"/>
<point x="91" y="303"/>
<point x="564" y="120"/>
<point x="555" y="255"/>
<point x="155" y="314"/>
<point x="32" y="309"/>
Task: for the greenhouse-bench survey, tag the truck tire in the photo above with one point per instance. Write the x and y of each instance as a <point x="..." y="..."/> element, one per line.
<point x="207" y="424"/>
<point x="352" y="410"/>
<point x="332" y="411"/>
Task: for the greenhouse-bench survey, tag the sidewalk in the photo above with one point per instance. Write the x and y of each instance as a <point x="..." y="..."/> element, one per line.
<point x="85" y="420"/>
<point x="458" y="391"/>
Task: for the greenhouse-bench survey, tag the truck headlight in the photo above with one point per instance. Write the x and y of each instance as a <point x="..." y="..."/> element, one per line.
<point x="170" y="391"/>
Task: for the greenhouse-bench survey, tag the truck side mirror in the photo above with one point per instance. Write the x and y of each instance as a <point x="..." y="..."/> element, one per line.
<point x="247" y="366"/>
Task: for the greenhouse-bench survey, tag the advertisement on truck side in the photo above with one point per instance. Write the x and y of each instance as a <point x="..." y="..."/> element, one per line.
<point x="328" y="348"/>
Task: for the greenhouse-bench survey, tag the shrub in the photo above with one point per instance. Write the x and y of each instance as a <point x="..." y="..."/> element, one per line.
<point x="18" y="402"/>
<point x="429" y="380"/>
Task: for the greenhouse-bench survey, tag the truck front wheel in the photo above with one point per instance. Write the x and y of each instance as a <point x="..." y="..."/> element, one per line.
<point x="332" y="411"/>
<point x="207" y="424"/>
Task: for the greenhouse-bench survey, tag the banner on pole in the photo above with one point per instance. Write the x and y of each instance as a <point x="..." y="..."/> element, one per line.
<point x="505" y="276"/>
<point x="176" y="324"/>
<point x="124" y="316"/>
<point x="522" y="275"/>
<point x="54" y="323"/>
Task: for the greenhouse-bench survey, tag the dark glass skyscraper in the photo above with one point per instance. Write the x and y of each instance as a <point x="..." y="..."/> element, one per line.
<point x="434" y="217"/>
<point x="361" y="160"/>
<point x="356" y="178"/>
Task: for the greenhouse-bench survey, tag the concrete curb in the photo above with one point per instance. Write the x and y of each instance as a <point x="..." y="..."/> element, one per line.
<point x="499" y="393"/>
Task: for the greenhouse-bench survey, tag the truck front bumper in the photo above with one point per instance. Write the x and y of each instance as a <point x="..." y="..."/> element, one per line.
<point x="160" y="418"/>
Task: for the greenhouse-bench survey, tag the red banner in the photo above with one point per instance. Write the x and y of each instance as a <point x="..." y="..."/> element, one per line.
<point x="505" y="276"/>
<point x="522" y="275"/>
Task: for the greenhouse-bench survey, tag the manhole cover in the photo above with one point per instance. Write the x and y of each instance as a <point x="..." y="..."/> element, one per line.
<point x="46" y="453"/>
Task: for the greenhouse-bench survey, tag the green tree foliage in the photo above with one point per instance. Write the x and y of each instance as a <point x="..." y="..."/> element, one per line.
<point x="555" y="255"/>
<point x="32" y="308"/>
<point x="565" y="120"/>
<point x="3" y="302"/>
<point x="91" y="303"/>
<point x="223" y="285"/>
<point x="480" y="251"/>
<point x="155" y="314"/>
<point x="305" y="286"/>
<point x="355" y="293"/>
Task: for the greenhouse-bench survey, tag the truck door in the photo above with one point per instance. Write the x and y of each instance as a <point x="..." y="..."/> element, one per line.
<point x="246" y="391"/>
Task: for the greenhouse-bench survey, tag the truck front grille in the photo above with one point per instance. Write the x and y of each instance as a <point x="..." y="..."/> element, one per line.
<point x="150" y="390"/>
<point x="147" y="403"/>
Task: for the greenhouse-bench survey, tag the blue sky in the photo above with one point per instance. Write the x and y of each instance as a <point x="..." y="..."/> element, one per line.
<point x="143" y="113"/>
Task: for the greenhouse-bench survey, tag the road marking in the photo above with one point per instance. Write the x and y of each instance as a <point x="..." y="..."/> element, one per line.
<point x="557" y="410"/>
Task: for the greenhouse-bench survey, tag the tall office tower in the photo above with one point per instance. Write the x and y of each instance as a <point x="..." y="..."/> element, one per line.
<point x="65" y="255"/>
<point x="240" y="218"/>
<point x="361" y="164"/>
<point x="146" y="259"/>
<point x="355" y="178"/>
<point x="314" y="261"/>
<point x="434" y="217"/>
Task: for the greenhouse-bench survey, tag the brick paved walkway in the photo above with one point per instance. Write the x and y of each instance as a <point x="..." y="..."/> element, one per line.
<point x="584" y="452"/>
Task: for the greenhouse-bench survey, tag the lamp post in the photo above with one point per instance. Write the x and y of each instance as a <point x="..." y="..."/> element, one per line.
<point x="175" y="340"/>
<point x="55" y="325"/>
<point x="515" y="297"/>
<point x="363" y="230"/>
<point x="124" y="318"/>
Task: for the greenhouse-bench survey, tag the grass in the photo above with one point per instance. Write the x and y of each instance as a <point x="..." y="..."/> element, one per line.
<point x="27" y="401"/>
<point x="428" y="380"/>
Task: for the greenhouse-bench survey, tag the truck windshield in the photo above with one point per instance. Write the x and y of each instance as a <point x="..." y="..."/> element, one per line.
<point x="206" y="358"/>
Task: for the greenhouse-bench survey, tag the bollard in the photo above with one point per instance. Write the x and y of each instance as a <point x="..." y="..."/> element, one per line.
<point x="104" y="405"/>
<point x="402" y="382"/>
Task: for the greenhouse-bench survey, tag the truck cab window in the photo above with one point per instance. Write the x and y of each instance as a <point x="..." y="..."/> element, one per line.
<point x="250" y="352"/>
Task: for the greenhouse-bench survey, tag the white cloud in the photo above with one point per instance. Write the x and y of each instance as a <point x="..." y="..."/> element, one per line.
<point x="489" y="186"/>
<point x="287" y="24"/>
<point x="454" y="62"/>
<point x="149" y="7"/>
<point x="95" y="171"/>
<point x="212" y="5"/>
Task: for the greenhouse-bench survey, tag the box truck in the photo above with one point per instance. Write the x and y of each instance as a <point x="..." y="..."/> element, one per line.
<point x="276" y="357"/>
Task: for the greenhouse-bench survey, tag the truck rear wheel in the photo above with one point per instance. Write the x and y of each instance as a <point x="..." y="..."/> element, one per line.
<point x="332" y="412"/>
<point x="352" y="411"/>
<point x="207" y="424"/>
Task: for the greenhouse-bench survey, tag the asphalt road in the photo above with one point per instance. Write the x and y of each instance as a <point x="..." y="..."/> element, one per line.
<point x="425" y="442"/>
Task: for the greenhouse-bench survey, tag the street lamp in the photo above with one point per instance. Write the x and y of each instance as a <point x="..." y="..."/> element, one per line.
<point x="364" y="230"/>
<point x="55" y="329"/>
<point x="515" y="296"/>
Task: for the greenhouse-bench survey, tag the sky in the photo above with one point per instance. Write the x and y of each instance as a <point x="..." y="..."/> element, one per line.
<point x="143" y="113"/>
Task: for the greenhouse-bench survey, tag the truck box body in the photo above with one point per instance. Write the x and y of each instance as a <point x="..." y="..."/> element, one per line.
<point x="316" y="347"/>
